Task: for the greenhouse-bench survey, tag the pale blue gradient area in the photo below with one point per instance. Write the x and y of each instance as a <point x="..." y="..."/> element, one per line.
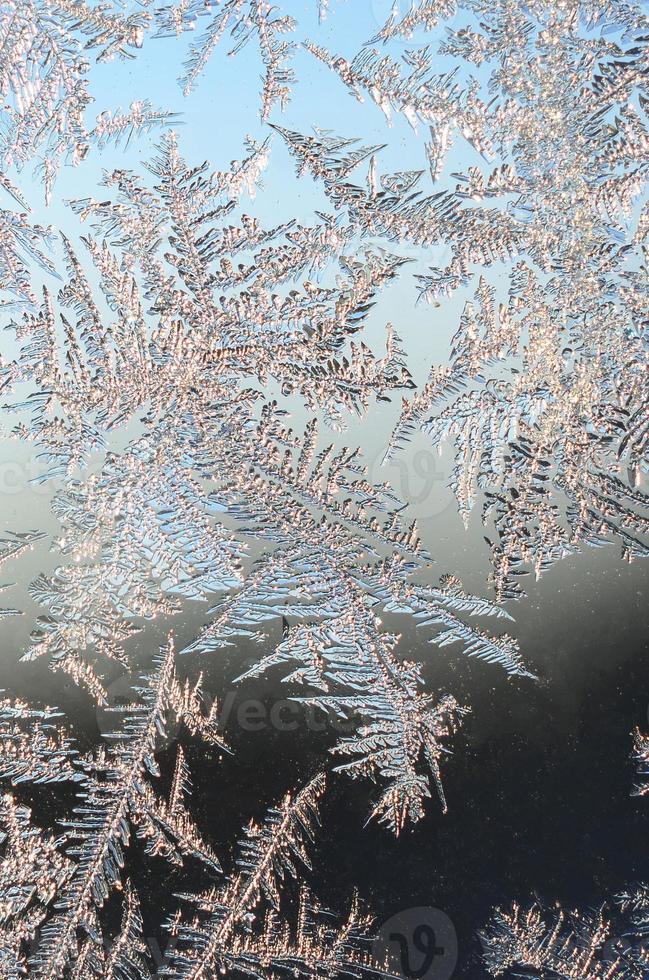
<point x="215" y="119"/>
<point x="212" y="124"/>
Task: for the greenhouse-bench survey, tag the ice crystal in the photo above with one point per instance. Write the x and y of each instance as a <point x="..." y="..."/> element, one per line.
<point x="33" y="747"/>
<point x="532" y="943"/>
<point x="231" y="931"/>
<point x="44" y="73"/>
<point x="347" y="655"/>
<point x="182" y="332"/>
<point x="422" y="14"/>
<point x="21" y="243"/>
<point x="53" y="891"/>
<point x="641" y="754"/>
<point x="116" y="797"/>
<point x="545" y="395"/>
<point x="144" y="532"/>
<point x="243" y="20"/>
<point x="32" y="873"/>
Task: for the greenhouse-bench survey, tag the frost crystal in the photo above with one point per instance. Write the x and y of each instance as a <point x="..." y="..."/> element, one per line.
<point x="153" y="366"/>
<point x="188" y="353"/>
<point x="545" y="395"/>
<point x="44" y="73"/>
<point x="229" y="932"/>
<point x="559" y="945"/>
<point x="536" y="943"/>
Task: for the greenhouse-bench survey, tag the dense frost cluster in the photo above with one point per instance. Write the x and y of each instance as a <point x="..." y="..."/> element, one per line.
<point x="153" y="364"/>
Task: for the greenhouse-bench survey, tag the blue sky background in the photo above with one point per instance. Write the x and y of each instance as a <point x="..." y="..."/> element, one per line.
<point x="214" y="120"/>
<point x="212" y="124"/>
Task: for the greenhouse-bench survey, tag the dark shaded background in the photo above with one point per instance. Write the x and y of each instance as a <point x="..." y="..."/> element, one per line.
<point x="538" y="786"/>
